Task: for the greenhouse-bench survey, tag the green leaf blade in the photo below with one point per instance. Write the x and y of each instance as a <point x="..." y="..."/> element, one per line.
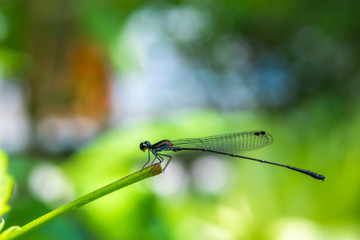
<point x="6" y="184"/>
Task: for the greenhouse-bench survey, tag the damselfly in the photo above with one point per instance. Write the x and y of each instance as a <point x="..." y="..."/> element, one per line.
<point x="226" y="144"/>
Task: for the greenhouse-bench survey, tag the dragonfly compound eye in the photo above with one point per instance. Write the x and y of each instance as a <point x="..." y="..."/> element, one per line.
<point x="143" y="146"/>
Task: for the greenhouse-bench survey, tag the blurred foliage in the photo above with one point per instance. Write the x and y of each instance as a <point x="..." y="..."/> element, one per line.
<point x="299" y="58"/>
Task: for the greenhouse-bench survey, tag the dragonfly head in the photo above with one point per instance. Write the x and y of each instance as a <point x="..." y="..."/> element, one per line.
<point x="144" y="145"/>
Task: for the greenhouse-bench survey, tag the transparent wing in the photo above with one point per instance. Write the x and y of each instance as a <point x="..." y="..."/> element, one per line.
<point x="230" y="143"/>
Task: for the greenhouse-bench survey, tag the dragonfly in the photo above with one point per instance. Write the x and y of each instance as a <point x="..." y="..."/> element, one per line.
<point x="225" y="144"/>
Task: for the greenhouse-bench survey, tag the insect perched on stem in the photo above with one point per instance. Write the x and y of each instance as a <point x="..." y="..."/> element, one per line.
<point x="226" y="144"/>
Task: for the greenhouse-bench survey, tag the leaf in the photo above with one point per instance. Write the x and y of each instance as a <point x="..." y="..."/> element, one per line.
<point x="2" y="223"/>
<point x="6" y="184"/>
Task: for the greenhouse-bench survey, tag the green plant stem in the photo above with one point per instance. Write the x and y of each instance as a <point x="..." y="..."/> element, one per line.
<point x="150" y="171"/>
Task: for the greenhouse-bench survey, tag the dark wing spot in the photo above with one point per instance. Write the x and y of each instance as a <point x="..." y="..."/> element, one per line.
<point x="257" y="133"/>
<point x="263" y="133"/>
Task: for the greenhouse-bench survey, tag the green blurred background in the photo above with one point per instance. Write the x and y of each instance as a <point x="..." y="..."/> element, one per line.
<point x="82" y="83"/>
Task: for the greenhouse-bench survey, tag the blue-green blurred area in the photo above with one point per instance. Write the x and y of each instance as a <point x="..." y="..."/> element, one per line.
<point x="82" y="83"/>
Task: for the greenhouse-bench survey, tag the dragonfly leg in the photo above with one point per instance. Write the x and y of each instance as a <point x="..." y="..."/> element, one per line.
<point x="168" y="161"/>
<point x="147" y="160"/>
<point x="158" y="158"/>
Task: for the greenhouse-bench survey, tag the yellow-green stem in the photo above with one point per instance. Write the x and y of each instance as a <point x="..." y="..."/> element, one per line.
<point x="150" y="171"/>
